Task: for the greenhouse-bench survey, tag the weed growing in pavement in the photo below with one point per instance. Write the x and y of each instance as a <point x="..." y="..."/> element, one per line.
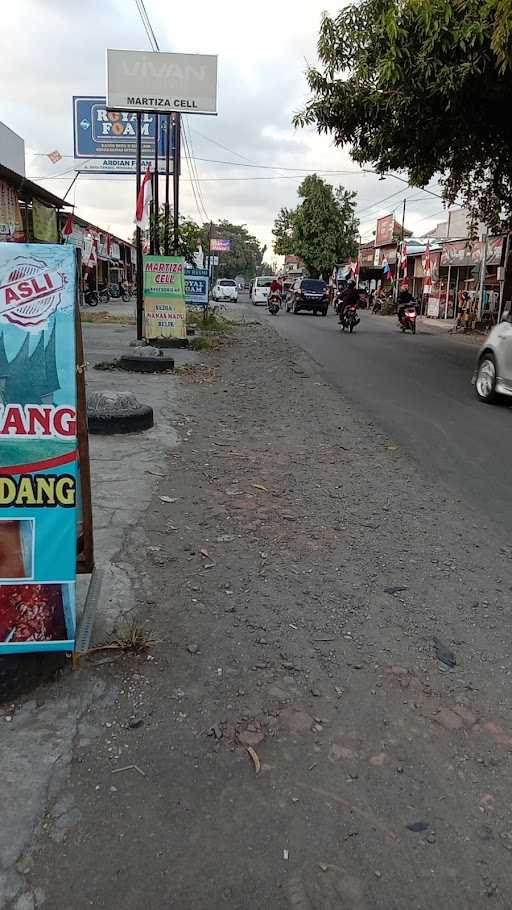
<point x="205" y="344"/>
<point x="134" y="637"/>
<point x="104" y="318"/>
<point x="211" y="323"/>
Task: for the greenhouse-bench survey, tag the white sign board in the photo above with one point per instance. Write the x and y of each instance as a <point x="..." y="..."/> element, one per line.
<point x="150" y="81"/>
<point x="12" y="150"/>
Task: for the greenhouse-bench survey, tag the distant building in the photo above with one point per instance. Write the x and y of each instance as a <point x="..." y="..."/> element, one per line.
<point x="12" y="150"/>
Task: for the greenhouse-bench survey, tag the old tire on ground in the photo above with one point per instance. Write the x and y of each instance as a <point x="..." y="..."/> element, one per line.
<point x="107" y="424"/>
<point x="20" y="673"/>
<point x="145" y="364"/>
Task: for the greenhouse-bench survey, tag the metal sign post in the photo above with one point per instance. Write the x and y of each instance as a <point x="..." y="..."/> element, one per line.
<point x="176" y="182"/>
<point x="156" y="205"/>
<point x="167" y="225"/>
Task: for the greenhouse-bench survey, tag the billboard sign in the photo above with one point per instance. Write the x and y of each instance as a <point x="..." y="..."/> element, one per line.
<point x="384" y="232"/>
<point x="106" y="141"/>
<point x="220" y="246"/>
<point x="38" y="448"/>
<point x="146" y="81"/>
<point x="196" y="287"/>
<point x="470" y="252"/>
<point x="165" y="313"/>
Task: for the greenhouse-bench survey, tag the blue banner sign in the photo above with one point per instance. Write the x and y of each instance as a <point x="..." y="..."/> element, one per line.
<point x="39" y="499"/>
<point x="196" y="287"/>
<point x="105" y="140"/>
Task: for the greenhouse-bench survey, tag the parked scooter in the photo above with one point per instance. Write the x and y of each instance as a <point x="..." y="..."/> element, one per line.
<point x="408" y="320"/>
<point x="274" y="304"/>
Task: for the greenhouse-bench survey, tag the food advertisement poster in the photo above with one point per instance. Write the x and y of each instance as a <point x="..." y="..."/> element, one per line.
<point x="38" y="448"/>
<point x="164" y="297"/>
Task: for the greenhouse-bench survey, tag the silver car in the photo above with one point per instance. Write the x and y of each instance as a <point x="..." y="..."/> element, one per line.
<point x="493" y="374"/>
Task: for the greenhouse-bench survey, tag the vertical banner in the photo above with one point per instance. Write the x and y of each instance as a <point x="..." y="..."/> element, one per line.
<point x="44" y="222"/>
<point x="164" y="297"/>
<point x="11" y="225"/>
<point x="38" y="448"/>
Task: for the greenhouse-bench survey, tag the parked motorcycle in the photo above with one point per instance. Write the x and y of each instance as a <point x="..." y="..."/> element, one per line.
<point x="349" y="318"/>
<point x="91" y="298"/>
<point x="115" y="291"/>
<point x="103" y="293"/>
<point x="408" y="320"/>
<point x="274" y="304"/>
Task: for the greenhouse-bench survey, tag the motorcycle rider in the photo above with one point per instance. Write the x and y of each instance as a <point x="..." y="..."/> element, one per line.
<point x="349" y="297"/>
<point x="405" y="299"/>
<point x="275" y="291"/>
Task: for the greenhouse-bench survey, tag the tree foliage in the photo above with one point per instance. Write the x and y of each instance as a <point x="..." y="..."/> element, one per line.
<point x="322" y="230"/>
<point x="189" y="235"/>
<point x="245" y="255"/>
<point x="425" y="86"/>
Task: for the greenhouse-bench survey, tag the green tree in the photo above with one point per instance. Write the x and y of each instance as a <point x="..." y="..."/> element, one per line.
<point x="283" y="232"/>
<point x="190" y="235"/>
<point x="424" y="86"/>
<point x="322" y="230"/>
<point x="245" y="255"/>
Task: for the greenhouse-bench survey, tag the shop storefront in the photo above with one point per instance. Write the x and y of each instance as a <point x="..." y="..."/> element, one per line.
<point x="460" y="274"/>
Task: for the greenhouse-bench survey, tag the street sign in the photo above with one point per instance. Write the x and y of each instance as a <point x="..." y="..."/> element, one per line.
<point x="146" y="81"/>
<point x="105" y="140"/>
<point x="196" y="287"/>
<point x="217" y="245"/>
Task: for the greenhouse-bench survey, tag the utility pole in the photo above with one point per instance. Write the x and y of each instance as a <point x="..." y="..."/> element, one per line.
<point x="402" y="231"/>
<point x="482" y="277"/>
<point x="138" y="233"/>
<point x="502" y="285"/>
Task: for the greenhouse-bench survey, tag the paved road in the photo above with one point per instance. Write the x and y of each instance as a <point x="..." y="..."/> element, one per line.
<point x="419" y="390"/>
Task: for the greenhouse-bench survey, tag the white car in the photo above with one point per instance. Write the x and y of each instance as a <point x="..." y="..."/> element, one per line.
<point x="493" y="374"/>
<point x="260" y="289"/>
<point x="225" y="289"/>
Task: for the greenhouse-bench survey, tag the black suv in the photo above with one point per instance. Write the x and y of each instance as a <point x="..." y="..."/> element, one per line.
<point x="308" y="294"/>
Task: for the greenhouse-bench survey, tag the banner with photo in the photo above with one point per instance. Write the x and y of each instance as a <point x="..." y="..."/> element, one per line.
<point x="38" y="448"/>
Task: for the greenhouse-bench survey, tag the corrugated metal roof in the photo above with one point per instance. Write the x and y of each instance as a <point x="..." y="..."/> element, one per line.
<point x="27" y="190"/>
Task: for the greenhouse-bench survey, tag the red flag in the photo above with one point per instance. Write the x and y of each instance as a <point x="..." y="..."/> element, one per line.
<point x="67" y="230"/>
<point x="143" y="199"/>
<point x="54" y="156"/>
<point x="427" y="270"/>
<point x="108" y="244"/>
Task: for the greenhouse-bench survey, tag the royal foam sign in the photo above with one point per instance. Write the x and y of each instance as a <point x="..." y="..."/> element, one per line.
<point x="106" y="141"/>
<point x="148" y="81"/>
<point x="196" y="287"/>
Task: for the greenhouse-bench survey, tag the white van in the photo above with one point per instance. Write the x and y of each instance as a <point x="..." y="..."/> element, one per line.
<point x="260" y="289"/>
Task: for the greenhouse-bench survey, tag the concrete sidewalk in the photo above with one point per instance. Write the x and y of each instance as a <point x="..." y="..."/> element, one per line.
<point x="36" y="736"/>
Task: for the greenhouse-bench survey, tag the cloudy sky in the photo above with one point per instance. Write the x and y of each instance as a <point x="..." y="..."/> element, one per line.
<point x="51" y="50"/>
